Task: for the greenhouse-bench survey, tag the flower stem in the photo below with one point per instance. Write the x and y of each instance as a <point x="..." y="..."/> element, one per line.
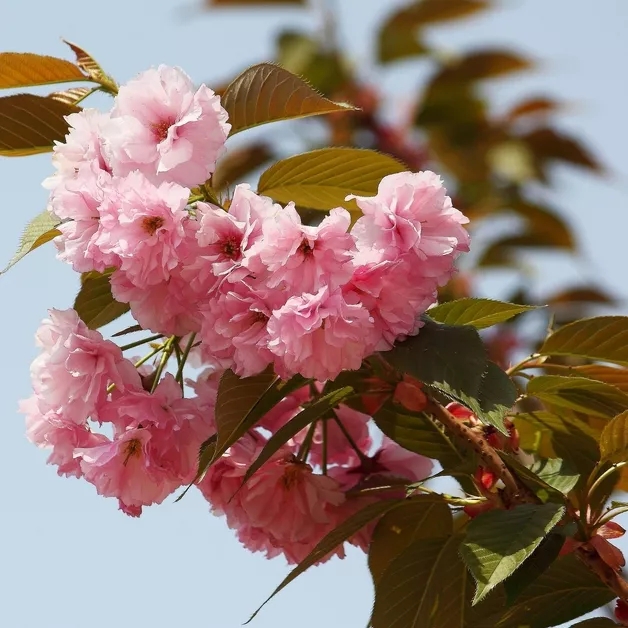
<point x="184" y="357"/>
<point x="139" y="343"/>
<point x="168" y="348"/>
<point x="324" y="461"/>
<point x="361" y="455"/>
<point x="306" y="445"/>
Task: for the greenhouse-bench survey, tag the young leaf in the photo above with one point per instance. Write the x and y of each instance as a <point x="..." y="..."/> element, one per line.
<point x="88" y="64"/>
<point x="73" y="96"/>
<point x="580" y="394"/>
<point x="267" y="93"/>
<point x="479" y="313"/>
<point x="422" y="517"/>
<point x="38" y="231"/>
<point x="398" y="37"/>
<point x="614" y="439"/>
<point x="418" y="433"/>
<point x="548" y="145"/>
<point x="344" y="531"/>
<point x="482" y="64"/>
<point x="317" y="409"/>
<point x="95" y="303"/>
<point x="499" y="541"/>
<point x="602" y="338"/>
<point x="543" y="556"/>
<point x="31" y="124"/>
<point x="242" y="401"/>
<point x="321" y="179"/>
<point x="567" y="590"/>
<point x="24" y="69"/>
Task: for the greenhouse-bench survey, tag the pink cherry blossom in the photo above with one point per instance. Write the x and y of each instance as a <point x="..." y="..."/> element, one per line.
<point x="319" y="335"/>
<point x="411" y="214"/>
<point x="83" y="147"/>
<point x="166" y="129"/>
<point x="77" y="203"/>
<point x="155" y="446"/>
<point x="71" y="375"/>
<point x="63" y="437"/>
<point x="302" y="258"/>
<point x="144" y="227"/>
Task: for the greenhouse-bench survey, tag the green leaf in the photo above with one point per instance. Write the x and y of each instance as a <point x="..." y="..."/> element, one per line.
<point x="205" y="456"/>
<point x="479" y="313"/>
<point x="543" y="556"/>
<point x="491" y="549"/>
<point x="31" y="124"/>
<point x="602" y="338"/>
<point x="38" y="231"/>
<point x="614" y="439"/>
<point x="321" y="179"/>
<point x="580" y="394"/>
<point x="344" y="531"/>
<point x="566" y="591"/>
<point x="95" y="303"/>
<point x="421" y="517"/>
<point x="24" y="69"/>
<point x="314" y="411"/>
<point x="556" y="473"/>
<point x="413" y="586"/>
<point x="242" y="401"/>
<point x="617" y="377"/>
<point x="398" y="37"/>
<point x="418" y="433"/>
<point x="453" y="360"/>
<point x="267" y="93"/>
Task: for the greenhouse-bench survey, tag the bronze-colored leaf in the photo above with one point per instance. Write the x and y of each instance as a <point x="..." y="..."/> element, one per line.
<point x="238" y="163"/>
<point x="31" y="124"/>
<point x="251" y="3"/>
<point x="549" y="145"/>
<point x="24" y="69"/>
<point x="483" y="64"/>
<point x="581" y="294"/>
<point x="533" y="107"/>
<point x="267" y="93"/>
<point x="72" y="96"/>
<point x="88" y="64"/>
<point x="398" y="37"/>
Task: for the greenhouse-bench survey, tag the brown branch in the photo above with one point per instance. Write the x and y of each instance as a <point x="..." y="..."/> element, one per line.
<point x="515" y="492"/>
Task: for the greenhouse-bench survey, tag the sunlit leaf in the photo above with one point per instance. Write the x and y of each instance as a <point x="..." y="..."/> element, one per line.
<point x="72" y="96"/>
<point x="31" y="124"/>
<point x="24" y="69"/>
<point x="95" y="303"/>
<point x="614" y="439"/>
<point x="492" y="552"/>
<point x="479" y="313"/>
<point x="321" y="179"/>
<point x="38" y="231"/>
<point x="601" y="338"/>
<point x="92" y="68"/>
<point x="267" y="93"/>
<point x="580" y="394"/>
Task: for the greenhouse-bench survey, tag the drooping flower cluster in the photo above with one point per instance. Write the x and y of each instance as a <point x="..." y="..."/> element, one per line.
<point x="246" y="288"/>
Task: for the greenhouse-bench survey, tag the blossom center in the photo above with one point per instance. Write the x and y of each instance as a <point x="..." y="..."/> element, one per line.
<point x="231" y="247"/>
<point x="133" y="449"/>
<point x="160" y="129"/>
<point x="151" y="224"/>
<point x="293" y="473"/>
<point x="305" y="249"/>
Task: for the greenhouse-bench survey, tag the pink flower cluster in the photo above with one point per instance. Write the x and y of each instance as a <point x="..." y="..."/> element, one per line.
<point x="149" y="447"/>
<point x="257" y="288"/>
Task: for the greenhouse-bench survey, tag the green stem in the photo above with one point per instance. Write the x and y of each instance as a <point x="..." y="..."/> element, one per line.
<point x="165" y="356"/>
<point x="147" y="357"/>
<point x="362" y="457"/>
<point x="306" y="445"/>
<point x="324" y="461"/>
<point x="184" y="357"/>
<point x="610" y="515"/>
<point x="601" y="478"/>
<point x="532" y="361"/>
<point x="138" y="343"/>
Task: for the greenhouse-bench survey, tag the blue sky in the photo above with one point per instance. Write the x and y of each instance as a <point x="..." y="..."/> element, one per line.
<point x="68" y="557"/>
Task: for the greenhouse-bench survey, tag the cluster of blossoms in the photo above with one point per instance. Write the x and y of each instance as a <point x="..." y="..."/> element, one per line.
<point x="254" y="288"/>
